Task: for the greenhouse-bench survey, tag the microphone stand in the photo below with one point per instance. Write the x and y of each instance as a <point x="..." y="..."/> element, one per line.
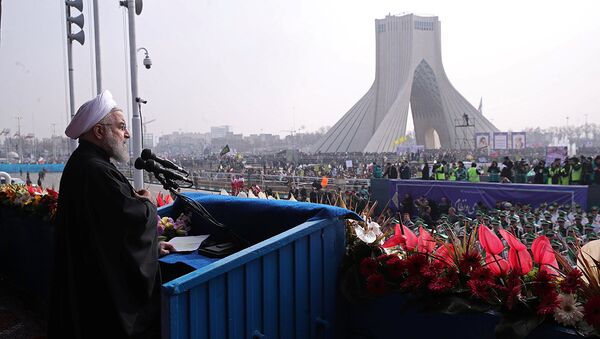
<point x="217" y="247"/>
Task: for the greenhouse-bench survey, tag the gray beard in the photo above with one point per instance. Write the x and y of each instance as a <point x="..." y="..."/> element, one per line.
<point x="117" y="151"/>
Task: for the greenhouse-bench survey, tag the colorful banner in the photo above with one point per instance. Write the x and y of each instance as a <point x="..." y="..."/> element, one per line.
<point x="553" y="152"/>
<point x="500" y="140"/>
<point x="519" y="140"/>
<point x="482" y="143"/>
<point x="400" y="150"/>
<point x="464" y="196"/>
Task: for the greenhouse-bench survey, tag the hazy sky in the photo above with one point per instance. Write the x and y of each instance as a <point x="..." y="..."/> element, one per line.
<point x="275" y="65"/>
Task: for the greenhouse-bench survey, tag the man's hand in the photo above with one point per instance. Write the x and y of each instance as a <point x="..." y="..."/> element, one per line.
<point x="144" y="194"/>
<point x="165" y="248"/>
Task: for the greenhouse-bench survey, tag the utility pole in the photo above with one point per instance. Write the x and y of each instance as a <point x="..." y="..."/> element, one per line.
<point x="54" y="141"/>
<point x="97" y="47"/>
<point x="136" y="125"/>
<point x="79" y="37"/>
<point x="20" y="141"/>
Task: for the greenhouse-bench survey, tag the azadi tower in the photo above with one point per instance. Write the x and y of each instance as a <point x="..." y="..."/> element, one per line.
<point x="408" y="70"/>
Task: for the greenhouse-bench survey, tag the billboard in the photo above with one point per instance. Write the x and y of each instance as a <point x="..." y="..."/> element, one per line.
<point x="500" y="140"/>
<point x="482" y="143"/>
<point x="519" y="140"/>
<point x="554" y="152"/>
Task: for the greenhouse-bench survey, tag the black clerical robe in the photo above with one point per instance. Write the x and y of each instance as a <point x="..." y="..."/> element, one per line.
<point x="107" y="278"/>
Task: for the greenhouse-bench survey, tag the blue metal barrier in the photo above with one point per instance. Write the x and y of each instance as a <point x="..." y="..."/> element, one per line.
<point x="31" y="168"/>
<point x="283" y="287"/>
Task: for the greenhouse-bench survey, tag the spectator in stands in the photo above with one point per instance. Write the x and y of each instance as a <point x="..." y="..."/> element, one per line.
<point x="473" y="173"/>
<point x="461" y="172"/>
<point x="405" y="174"/>
<point x="494" y="172"/>
<point x="539" y="172"/>
<point x="377" y="173"/>
<point x="425" y="171"/>
<point x="596" y="171"/>
<point x="506" y="171"/>
<point x="576" y="172"/>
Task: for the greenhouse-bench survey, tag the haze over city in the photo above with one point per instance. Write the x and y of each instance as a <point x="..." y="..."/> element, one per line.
<point x="275" y="67"/>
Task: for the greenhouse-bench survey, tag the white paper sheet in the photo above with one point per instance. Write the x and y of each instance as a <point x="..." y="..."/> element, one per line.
<point x="189" y="243"/>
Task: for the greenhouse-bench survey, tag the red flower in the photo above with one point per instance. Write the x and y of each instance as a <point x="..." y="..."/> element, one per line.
<point x="469" y="261"/>
<point x="159" y="200"/>
<point x="368" y="266"/>
<point x="572" y="281"/>
<point x="520" y="260"/>
<point x="482" y="274"/>
<point x="543" y="284"/>
<point x="414" y="282"/>
<point x="385" y="257"/>
<point x="489" y="241"/>
<point x="445" y="255"/>
<point x="592" y="311"/>
<point x="548" y="304"/>
<point x="415" y="263"/>
<point x="431" y="271"/>
<point x="403" y="237"/>
<point x="441" y="284"/>
<point x="543" y="254"/>
<point x="512" y="289"/>
<point x="479" y="289"/>
<point x="426" y="242"/>
<point x="512" y="241"/>
<point x="498" y="265"/>
<point x="394" y="268"/>
<point x="52" y="193"/>
<point x="376" y="285"/>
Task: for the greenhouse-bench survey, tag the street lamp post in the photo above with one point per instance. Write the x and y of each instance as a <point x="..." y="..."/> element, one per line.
<point x="136" y="126"/>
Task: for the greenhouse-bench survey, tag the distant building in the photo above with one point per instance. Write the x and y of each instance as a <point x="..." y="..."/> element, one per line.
<point x="219" y="132"/>
<point x="408" y="70"/>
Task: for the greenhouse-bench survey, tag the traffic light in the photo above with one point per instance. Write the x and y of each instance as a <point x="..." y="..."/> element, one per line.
<point x="78" y="20"/>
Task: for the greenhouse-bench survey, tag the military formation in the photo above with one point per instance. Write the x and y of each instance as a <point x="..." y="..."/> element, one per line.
<point x="567" y="226"/>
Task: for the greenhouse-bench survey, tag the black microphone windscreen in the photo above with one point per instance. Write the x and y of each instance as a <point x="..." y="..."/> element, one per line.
<point x="146" y="154"/>
<point x="139" y="164"/>
<point x="150" y="165"/>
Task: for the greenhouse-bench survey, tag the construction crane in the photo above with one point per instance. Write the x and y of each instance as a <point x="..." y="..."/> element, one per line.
<point x="147" y="122"/>
<point x="144" y="128"/>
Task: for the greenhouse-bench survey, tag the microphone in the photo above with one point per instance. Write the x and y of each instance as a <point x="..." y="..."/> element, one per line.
<point x="151" y="166"/>
<point x="148" y="155"/>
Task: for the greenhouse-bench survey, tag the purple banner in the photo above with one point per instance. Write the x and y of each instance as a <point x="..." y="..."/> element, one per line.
<point x="464" y="196"/>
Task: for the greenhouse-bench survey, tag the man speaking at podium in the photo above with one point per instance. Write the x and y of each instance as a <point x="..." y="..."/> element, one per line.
<point x="106" y="276"/>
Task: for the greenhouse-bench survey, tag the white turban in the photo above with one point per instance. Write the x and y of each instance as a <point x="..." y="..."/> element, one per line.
<point x="90" y="114"/>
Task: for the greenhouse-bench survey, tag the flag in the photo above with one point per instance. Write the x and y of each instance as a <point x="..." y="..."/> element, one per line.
<point x="480" y="105"/>
<point x="400" y="140"/>
<point x="225" y="150"/>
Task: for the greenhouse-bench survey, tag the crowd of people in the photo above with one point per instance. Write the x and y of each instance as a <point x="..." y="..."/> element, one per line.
<point x="570" y="171"/>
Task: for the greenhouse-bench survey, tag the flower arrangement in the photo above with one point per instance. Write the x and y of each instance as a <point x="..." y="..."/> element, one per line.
<point x="477" y="270"/>
<point x="168" y="228"/>
<point x="29" y="199"/>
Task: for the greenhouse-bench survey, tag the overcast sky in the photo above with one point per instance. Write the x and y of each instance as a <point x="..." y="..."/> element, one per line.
<point x="272" y="66"/>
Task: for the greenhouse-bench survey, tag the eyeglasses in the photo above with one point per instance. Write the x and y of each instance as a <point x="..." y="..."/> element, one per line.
<point x="122" y="126"/>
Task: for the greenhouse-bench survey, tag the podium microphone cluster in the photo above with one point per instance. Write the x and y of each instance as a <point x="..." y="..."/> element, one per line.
<point x="148" y="155"/>
<point x="151" y="166"/>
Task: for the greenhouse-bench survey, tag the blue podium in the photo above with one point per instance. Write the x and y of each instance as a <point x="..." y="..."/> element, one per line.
<point x="283" y="286"/>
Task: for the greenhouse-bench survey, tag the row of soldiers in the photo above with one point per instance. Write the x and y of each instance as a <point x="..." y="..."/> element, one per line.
<point x="564" y="225"/>
<point x="455" y="172"/>
<point x="572" y="171"/>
